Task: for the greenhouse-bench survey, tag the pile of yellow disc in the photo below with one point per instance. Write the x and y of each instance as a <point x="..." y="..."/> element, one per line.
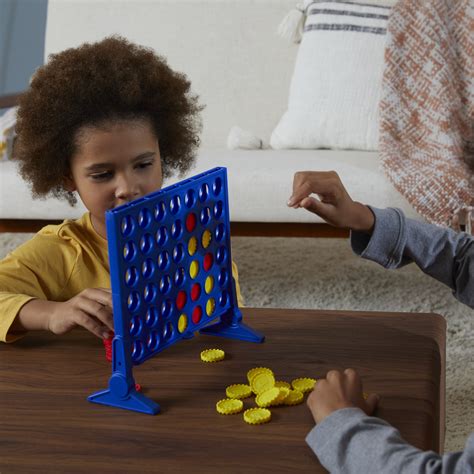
<point x="268" y="392"/>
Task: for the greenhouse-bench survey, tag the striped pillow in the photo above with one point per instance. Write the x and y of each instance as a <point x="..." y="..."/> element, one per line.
<point x="335" y="89"/>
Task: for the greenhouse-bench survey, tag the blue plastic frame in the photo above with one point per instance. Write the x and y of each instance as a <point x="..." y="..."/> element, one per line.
<point x="150" y="260"/>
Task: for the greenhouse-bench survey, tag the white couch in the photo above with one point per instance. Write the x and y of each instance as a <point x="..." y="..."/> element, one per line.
<point x="241" y="69"/>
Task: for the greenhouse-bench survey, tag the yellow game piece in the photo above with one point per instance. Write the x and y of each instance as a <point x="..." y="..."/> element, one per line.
<point x="252" y="372"/>
<point x="194" y="269"/>
<point x="206" y="239"/>
<point x="209" y="284"/>
<point x="238" y="390"/>
<point x="267" y="398"/>
<point x="262" y="382"/>
<point x="303" y="385"/>
<point x="210" y="306"/>
<point x="284" y="391"/>
<point x="212" y="355"/>
<point x="229" y="406"/>
<point x="365" y="395"/>
<point x="257" y="416"/>
<point x="280" y="384"/>
<point x="182" y="323"/>
<point x="294" y="398"/>
<point x="192" y="246"/>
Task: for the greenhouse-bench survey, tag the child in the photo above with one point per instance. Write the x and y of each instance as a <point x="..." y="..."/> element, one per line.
<point x="346" y="438"/>
<point x="108" y="120"/>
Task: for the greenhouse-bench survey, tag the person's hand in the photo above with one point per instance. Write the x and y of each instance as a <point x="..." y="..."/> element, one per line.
<point x="334" y="205"/>
<point x="339" y="390"/>
<point x="91" y="309"/>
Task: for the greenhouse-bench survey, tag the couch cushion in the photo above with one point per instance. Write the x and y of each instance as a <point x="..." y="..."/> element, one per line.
<point x="260" y="183"/>
<point x="16" y="201"/>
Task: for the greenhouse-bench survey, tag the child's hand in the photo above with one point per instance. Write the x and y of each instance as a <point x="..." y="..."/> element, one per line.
<point x="339" y="390"/>
<point x="91" y="309"/>
<point x="335" y="205"/>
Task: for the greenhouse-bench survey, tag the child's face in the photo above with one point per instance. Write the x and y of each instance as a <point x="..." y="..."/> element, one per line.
<point x="114" y="164"/>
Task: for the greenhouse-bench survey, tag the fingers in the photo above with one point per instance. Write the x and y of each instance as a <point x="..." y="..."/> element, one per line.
<point x="306" y="183"/>
<point x="94" y="311"/>
<point x="353" y="379"/>
<point x="101" y="295"/>
<point x="371" y="403"/>
<point x="334" y="376"/>
<point x="98" y="311"/>
<point x="316" y="207"/>
<point x="91" y="324"/>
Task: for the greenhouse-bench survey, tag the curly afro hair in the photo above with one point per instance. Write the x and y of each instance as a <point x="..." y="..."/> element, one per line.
<point x="93" y="84"/>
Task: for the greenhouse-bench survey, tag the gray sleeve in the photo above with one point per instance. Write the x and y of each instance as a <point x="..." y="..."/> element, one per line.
<point x="349" y="441"/>
<point x="444" y="254"/>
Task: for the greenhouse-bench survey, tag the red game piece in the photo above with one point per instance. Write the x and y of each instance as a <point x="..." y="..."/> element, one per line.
<point x="208" y="261"/>
<point x="108" y="347"/>
<point x="181" y="299"/>
<point x="197" y="314"/>
<point x="195" y="291"/>
<point x="191" y="222"/>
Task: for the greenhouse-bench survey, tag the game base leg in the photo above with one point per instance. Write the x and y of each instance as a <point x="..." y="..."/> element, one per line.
<point x="122" y="395"/>
<point x="231" y="326"/>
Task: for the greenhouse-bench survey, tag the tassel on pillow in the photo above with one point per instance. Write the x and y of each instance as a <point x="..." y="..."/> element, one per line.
<point x="239" y="138"/>
<point x="291" y="28"/>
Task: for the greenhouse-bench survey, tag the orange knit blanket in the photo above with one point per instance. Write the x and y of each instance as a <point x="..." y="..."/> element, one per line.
<point x="427" y="108"/>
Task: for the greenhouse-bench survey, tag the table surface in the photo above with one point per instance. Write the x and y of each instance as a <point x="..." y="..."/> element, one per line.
<point x="46" y="421"/>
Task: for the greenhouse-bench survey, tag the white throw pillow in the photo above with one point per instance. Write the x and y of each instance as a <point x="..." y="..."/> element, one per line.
<point x="335" y="89"/>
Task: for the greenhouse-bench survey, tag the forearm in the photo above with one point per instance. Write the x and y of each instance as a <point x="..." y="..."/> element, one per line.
<point x="33" y="316"/>
<point x="350" y="441"/>
<point x="443" y="254"/>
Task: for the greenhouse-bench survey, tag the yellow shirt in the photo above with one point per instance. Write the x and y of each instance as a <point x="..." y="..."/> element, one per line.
<point x="59" y="262"/>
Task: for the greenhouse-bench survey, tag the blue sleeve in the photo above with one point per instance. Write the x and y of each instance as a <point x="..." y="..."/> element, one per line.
<point x="444" y="254"/>
<point x="349" y="441"/>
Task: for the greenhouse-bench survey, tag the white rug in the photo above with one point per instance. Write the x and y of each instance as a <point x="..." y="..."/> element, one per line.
<point x="324" y="274"/>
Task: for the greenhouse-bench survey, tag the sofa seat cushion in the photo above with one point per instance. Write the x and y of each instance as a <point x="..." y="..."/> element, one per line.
<point x="260" y="183"/>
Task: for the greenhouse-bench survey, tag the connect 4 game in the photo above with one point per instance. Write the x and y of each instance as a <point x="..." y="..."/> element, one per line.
<point x="171" y="275"/>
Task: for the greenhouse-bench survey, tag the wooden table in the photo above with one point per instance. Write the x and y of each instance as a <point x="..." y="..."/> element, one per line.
<point x="48" y="426"/>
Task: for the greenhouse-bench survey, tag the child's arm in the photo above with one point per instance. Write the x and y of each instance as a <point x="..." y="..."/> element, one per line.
<point x="387" y="236"/>
<point x="444" y="254"/>
<point x="33" y="296"/>
<point x="346" y="439"/>
<point x="90" y="309"/>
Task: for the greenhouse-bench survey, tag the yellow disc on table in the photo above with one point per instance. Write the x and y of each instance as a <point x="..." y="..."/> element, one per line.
<point x="192" y="245"/>
<point x="262" y="382"/>
<point x="238" y="390"/>
<point x="212" y="355"/>
<point x="257" y="416"/>
<point x="294" y="397"/>
<point x="209" y="284"/>
<point x="206" y="238"/>
<point x="194" y="269"/>
<point x="182" y="323"/>
<point x="267" y="398"/>
<point x="229" y="406"/>
<point x="284" y="391"/>
<point x="210" y="306"/>
<point x="280" y="383"/>
<point x="303" y="385"/>
<point x="252" y="372"/>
